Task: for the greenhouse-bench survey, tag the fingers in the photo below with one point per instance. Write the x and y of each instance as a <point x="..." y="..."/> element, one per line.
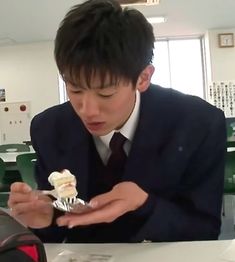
<point x="124" y="197"/>
<point x="102" y="200"/>
<point x="22" y="199"/>
<point x="105" y="214"/>
<point x="27" y="207"/>
<point x="18" y="198"/>
<point x="20" y="187"/>
<point x="20" y="192"/>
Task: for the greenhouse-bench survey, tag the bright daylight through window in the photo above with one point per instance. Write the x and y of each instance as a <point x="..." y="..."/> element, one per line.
<point x="178" y="64"/>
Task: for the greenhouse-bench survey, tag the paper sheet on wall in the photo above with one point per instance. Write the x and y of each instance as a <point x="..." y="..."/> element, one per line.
<point x="222" y="95"/>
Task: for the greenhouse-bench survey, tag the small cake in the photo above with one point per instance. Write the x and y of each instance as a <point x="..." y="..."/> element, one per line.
<point x="64" y="183"/>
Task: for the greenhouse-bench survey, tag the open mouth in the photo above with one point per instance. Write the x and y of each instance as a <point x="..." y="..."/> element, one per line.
<point x="94" y="125"/>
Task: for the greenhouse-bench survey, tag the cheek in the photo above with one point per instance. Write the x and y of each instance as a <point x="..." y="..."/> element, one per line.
<point x="72" y="101"/>
<point x="75" y="103"/>
<point x="122" y="106"/>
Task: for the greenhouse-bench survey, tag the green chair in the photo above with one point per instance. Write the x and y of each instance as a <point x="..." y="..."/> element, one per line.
<point x="26" y="164"/>
<point x="230" y="144"/>
<point x="3" y="186"/>
<point x="229" y="178"/>
<point x="6" y="148"/>
<point x="4" y="189"/>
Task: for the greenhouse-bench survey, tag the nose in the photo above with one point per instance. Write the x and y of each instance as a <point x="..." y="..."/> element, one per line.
<point x="89" y="106"/>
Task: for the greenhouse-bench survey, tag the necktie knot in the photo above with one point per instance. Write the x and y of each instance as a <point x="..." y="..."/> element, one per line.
<point x="117" y="141"/>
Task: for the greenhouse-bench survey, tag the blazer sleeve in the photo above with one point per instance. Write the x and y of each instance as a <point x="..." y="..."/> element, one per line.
<point x="196" y="214"/>
<point x="53" y="233"/>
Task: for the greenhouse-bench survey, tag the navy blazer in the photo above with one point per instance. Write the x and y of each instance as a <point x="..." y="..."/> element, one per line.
<point x="177" y="157"/>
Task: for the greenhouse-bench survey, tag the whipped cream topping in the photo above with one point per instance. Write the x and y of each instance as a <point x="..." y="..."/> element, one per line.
<point x="58" y="175"/>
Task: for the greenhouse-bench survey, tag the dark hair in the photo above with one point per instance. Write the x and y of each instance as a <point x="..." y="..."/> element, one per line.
<point x="100" y="37"/>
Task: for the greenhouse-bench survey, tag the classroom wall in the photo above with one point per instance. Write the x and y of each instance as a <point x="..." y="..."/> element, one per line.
<point x="28" y="73"/>
<point x="222" y="59"/>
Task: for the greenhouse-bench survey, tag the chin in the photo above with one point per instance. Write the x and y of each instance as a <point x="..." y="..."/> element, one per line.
<point x="99" y="132"/>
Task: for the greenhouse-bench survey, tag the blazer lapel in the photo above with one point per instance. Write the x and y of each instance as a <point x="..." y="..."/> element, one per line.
<point x="147" y="143"/>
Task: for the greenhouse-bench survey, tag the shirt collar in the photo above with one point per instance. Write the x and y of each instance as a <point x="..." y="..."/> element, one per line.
<point x="128" y="130"/>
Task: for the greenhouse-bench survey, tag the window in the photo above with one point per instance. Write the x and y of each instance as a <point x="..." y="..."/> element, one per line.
<point x="62" y="90"/>
<point x="178" y="64"/>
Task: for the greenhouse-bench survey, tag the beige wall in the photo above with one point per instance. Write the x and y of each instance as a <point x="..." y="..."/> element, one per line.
<point x="28" y="73"/>
<point x="222" y="59"/>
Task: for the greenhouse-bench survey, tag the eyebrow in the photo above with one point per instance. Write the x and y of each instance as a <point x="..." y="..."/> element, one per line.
<point x="113" y="81"/>
<point x="107" y="85"/>
<point x="104" y="86"/>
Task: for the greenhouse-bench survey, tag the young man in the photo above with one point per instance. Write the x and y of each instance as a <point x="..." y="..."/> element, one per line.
<point x="171" y="183"/>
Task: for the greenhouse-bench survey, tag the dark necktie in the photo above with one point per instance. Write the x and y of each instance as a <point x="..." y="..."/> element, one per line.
<point x="117" y="159"/>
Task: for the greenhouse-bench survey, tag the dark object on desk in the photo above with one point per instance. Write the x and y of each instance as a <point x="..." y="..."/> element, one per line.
<point x="17" y="242"/>
<point x="26" y="164"/>
<point x="7" y="148"/>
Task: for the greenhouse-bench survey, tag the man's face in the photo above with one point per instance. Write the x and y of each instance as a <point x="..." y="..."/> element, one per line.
<point x="102" y="109"/>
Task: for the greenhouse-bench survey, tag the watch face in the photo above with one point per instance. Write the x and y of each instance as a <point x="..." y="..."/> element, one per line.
<point x="226" y="40"/>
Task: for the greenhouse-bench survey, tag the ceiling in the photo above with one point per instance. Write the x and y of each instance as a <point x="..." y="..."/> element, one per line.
<point x="23" y="21"/>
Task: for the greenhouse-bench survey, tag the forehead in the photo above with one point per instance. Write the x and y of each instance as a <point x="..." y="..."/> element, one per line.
<point x="94" y="79"/>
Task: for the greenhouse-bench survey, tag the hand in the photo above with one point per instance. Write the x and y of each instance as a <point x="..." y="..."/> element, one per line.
<point x="29" y="208"/>
<point x="124" y="197"/>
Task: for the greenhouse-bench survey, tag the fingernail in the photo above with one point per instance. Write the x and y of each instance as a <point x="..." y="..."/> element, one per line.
<point x="70" y="226"/>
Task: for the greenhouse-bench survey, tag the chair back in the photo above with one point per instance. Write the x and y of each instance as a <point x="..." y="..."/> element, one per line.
<point x="4" y="189"/>
<point x="229" y="179"/>
<point x="2" y="170"/>
<point x="7" y="148"/>
<point x="230" y="144"/>
<point x="26" y="165"/>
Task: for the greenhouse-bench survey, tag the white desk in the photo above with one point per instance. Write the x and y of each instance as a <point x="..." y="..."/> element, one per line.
<point x="230" y="149"/>
<point x="10" y="157"/>
<point x="197" y="251"/>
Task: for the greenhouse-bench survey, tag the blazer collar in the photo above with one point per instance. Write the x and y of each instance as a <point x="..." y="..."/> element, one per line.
<point x="152" y="123"/>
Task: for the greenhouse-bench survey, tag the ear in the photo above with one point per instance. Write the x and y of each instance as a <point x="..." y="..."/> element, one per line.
<point x="144" y="78"/>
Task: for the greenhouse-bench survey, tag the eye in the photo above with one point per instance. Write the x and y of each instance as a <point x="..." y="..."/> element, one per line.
<point x="107" y="92"/>
<point x="75" y="91"/>
<point x="105" y="95"/>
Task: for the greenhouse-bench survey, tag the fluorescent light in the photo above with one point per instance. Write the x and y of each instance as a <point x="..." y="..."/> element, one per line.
<point x="156" y="19"/>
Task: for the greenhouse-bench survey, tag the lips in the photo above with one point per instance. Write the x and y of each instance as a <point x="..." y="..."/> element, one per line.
<point x="94" y="126"/>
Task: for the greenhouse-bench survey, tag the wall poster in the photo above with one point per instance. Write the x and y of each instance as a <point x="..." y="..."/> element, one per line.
<point x="222" y="95"/>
